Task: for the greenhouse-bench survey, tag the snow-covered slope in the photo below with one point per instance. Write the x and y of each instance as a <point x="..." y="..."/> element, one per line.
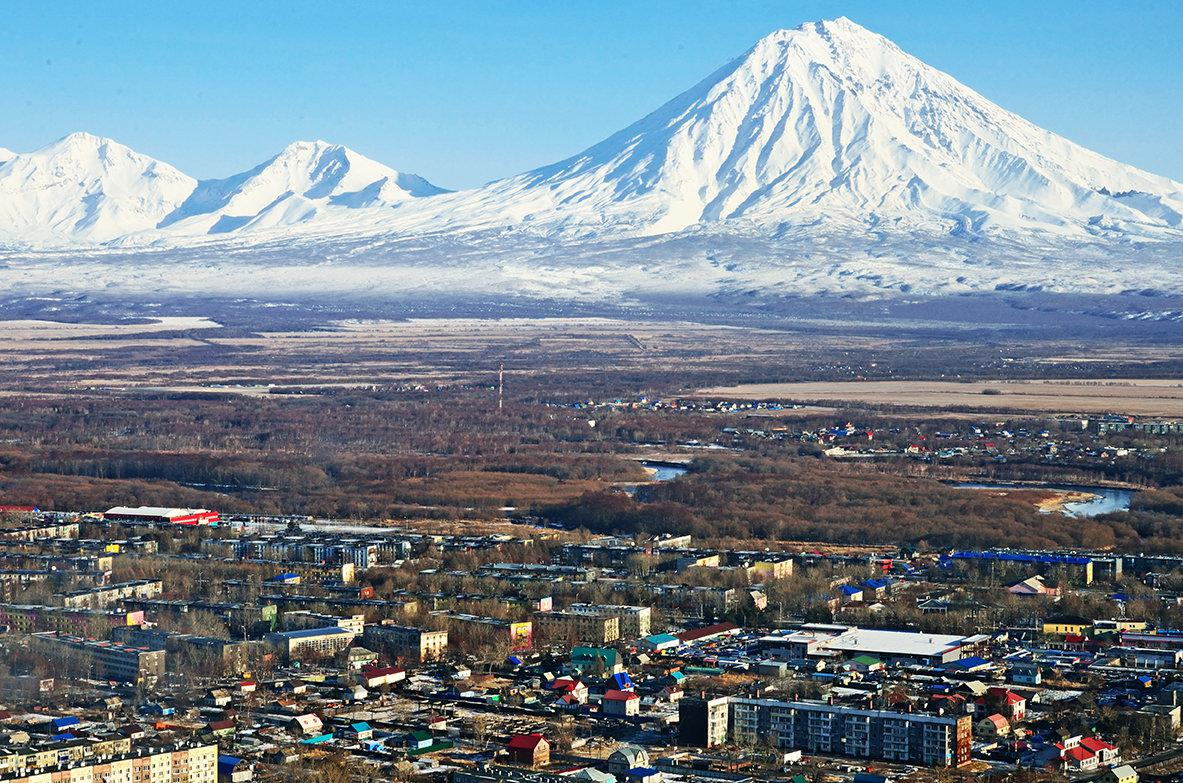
<point x="823" y="160"/>
<point x="6" y="155"/>
<point x="84" y="188"/>
<point x="294" y="187"/>
<point x="830" y="123"/>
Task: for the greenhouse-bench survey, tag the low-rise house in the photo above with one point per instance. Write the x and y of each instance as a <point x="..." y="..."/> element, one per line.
<point x="1032" y="587"/>
<point x="307" y="725"/>
<point x="218" y="697"/>
<point x="358" y="731"/>
<point x="570" y="690"/>
<point x="232" y="769"/>
<point x="1025" y="673"/>
<point x="377" y="676"/>
<point x="620" y="703"/>
<point x="532" y="750"/>
<point x="992" y="727"/>
<point x="1123" y="773"/>
<point x="627" y="757"/>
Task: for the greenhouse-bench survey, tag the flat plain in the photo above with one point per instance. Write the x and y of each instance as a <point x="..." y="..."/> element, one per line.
<point x="1141" y="397"/>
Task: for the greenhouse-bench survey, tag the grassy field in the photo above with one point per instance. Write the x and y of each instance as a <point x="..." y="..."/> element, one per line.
<point x="1140" y="397"/>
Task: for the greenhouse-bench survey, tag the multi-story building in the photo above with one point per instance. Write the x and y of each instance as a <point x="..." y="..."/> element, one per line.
<point x="38" y="532"/>
<point x="223" y="655"/>
<point x="537" y="571"/>
<point x="94" y="762"/>
<point x="101" y="659"/>
<point x="299" y="619"/>
<point x="705" y="598"/>
<point x="109" y="595"/>
<point x="635" y="621"/>
<point x="22" y="618"/>
<point x="244" y="620"/>
<point x="82" y="564"/>
<point x="311" y="643"/>
<point x="30" y="759"/>
<point x="702" y="722"/>
<point x="818" y="727"/>
<point x="517" y="634"/>
<point x="406" y="642"/>
<point x="770" y="567"/>
<point x="579" y="627"/>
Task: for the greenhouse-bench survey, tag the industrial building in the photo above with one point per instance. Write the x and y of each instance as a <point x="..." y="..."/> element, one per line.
<point x="902" y="647"/>
<point x="156" y="515"/>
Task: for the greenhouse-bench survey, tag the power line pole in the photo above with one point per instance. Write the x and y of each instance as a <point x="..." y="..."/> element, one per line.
<point x="501" y="387"/>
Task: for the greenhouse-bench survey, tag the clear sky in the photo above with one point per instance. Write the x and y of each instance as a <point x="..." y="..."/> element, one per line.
<point x="465" y="92"/>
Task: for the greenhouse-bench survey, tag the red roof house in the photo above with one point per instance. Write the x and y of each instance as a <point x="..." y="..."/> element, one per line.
<point x="530" y="749"/>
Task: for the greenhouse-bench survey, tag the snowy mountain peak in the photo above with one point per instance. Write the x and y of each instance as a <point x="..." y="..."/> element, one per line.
<point x="304" y="181"/>
<point x="85" y="188"/>
<point x="6" y="155"/>
<point x="824" y="158"/>
<point x="829" y="123"/>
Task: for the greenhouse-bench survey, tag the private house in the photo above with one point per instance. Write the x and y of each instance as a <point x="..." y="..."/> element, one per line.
<point x="307" y="725"/>
<point x="992" y="727"/>
<point x="627" y="757"/>
<point x="570" y="691"/>
<point x="622" y="704"/>
<point x="358" y="731"/>
<point x="1032" y="587"/>
<point x="1123" y="773"/>
<point x="532" y="750"/>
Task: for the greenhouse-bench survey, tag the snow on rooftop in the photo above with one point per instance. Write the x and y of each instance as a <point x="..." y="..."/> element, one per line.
<point x="895" y="642"/>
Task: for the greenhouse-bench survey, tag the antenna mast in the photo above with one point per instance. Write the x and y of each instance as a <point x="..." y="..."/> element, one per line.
<point x="501" y="387"/>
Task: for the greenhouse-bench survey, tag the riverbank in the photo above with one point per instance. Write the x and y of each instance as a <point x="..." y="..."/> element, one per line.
<point x="1072" y="500"/>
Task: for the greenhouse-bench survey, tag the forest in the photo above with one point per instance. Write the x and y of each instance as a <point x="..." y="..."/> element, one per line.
<point x="424" y="437"/>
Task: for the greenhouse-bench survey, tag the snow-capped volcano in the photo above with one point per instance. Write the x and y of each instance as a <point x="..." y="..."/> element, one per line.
<point x="294" y="187"/>
<point x="84" y="188"/>
<point x="830" y="123"/>
<point x="824" y="159"/>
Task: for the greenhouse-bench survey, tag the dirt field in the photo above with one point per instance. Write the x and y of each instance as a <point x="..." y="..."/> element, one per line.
<point x="1137" y="397"/>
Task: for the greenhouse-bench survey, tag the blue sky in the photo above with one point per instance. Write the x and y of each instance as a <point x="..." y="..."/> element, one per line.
<point x="465" y="92"/>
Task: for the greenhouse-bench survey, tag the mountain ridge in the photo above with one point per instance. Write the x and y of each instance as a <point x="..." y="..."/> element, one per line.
<point x="823" y="157"/>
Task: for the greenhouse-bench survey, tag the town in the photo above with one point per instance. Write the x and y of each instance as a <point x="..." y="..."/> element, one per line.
<point x="152" y="643"/>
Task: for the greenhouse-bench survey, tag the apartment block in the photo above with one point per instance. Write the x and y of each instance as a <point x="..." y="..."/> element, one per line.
<point x="406" y="642"/>
<point x="109" y="595"/>
<point x="577" y="627"/>
<point x="192" y="762"/>
<point x="101" y="659"/>
<point x="817" y="727"/>
<point x="703" y="722"/>
<point x="311" y="643"/>
<point x="635" y="621"/>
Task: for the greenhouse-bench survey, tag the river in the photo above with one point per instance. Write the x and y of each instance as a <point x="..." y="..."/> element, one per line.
<point x="1102" y="500"/>
<point x="665" y="471"/>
